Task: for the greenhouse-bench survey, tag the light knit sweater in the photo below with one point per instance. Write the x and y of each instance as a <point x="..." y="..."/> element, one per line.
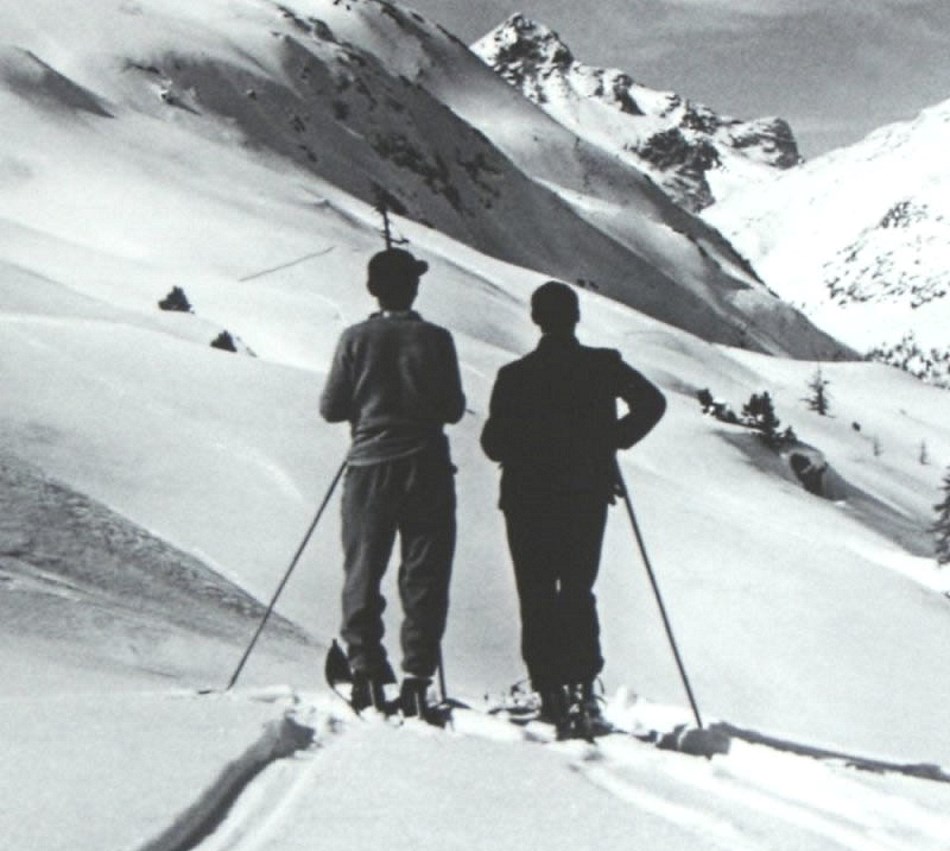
<point x="395" y="379"/>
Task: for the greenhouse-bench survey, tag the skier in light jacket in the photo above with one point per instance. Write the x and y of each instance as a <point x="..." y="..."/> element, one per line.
<point x="395" y="379"/>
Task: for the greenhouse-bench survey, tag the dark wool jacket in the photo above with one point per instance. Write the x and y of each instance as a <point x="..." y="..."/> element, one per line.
<point x="553" y="419"/>
<point x="395" y="379"/>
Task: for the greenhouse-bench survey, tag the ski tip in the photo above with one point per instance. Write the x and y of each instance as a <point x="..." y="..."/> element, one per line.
<point x="336" y="668"/>
<point x="451" y="703"/>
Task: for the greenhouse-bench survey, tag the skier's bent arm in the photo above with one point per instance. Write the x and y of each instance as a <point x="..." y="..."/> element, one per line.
<point x="645" y="402"/>
<point x="454" y="396"/>
<point x="498" y="433"/>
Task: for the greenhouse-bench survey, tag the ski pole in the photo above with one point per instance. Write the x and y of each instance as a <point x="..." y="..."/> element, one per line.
<point x="283" y="582"/>
<point x="440" y="668"/>
<point x="656" y="592"/>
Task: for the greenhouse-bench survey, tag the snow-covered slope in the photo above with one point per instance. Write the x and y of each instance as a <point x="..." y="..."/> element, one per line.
<point x="799" y="616"/>
<point x="859" y="237"/>
<point x="371" y="97"/>
<point x="696" y="155"/>
<point x="820" y="620"/>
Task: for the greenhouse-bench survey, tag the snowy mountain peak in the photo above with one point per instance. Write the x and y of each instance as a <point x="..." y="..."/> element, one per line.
<point x="859" y="238"/>
<point x="522" y="41"/>
<point x="529" y="54"/>
<point x="692" y="152"/>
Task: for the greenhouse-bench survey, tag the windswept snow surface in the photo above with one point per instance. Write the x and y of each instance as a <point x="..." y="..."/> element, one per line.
<point x="176" y="476"/>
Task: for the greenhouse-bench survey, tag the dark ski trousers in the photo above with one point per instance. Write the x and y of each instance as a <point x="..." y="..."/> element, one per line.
<point x="555" y="542"/>
<point x="413" y="497"/>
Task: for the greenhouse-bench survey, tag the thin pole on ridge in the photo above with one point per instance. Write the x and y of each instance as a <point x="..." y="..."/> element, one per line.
<point x="283" y="582"/>
<point x="656" y="592"/>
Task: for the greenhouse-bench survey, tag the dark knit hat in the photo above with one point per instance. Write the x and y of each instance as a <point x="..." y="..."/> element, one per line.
<point x="393" y="263"/>
<point x="554" y="306"/>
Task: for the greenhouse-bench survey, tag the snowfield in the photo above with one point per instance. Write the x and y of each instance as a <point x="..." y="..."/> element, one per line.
<point x="154" y="490"/>
<point x="857" y="237"/>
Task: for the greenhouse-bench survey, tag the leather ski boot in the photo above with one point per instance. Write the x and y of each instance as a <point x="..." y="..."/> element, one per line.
<point x="368" y="692"/>
<point x="554" y="706"/>
<point x="413" y="697"/>
<point x="586" y="718"/>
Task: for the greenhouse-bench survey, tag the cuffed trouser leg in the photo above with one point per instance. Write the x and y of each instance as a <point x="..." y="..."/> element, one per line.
<point x="369" y="532"/>
<point x="414" y="496"/>
<point x="427" y="534"/>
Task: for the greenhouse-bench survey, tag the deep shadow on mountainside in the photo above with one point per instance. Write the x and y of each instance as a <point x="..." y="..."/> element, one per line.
<point x="421" y="123"/>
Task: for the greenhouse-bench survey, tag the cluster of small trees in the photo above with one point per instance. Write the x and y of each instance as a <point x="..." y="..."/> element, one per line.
<point x="757" y="414"/>
<point x="930" y="365"/>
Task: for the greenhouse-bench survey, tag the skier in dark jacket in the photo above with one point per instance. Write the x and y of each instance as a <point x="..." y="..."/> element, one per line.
<point x="395" y="379"/>
<point x="553" y="426"/>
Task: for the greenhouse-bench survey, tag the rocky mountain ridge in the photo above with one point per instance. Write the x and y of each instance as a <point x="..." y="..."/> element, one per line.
<point x="692" y="152"/>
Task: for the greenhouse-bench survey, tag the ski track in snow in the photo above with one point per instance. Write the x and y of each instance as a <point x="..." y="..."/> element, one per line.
<point x="714" y="831"/>
<point x="752" y="798"/>
<point x="769" y="788"/>
<point x="266" y="805"/>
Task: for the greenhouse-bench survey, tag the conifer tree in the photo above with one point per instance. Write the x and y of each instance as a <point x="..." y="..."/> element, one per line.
<point x="384" y="203"/>
<point x="941" y="528"/>
<point x="818" y="400"/>
<point x="759" y="413"/>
